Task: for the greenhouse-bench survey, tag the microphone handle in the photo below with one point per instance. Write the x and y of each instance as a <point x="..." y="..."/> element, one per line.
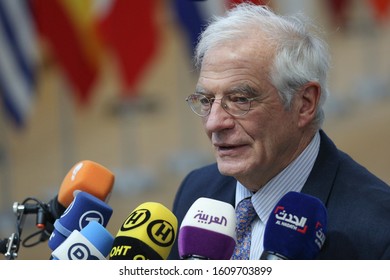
<point x="266" y="255"/>
<point x="56" y="209"/>
<point x="3" y="246"/>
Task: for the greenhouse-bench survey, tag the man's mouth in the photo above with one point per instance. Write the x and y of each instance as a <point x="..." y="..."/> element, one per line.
<point x="226" y="148"/>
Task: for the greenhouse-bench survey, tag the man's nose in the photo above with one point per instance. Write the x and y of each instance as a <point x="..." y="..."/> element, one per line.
<point x="218" y="118"/>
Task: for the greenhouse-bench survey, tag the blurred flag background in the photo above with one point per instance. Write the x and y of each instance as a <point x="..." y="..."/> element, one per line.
<point x="18" y="60"/>
<point x="106" y="80"/>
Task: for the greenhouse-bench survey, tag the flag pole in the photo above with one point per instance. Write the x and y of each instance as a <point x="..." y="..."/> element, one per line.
<point x="66" y="124"/>
<point x="131" y="176"/>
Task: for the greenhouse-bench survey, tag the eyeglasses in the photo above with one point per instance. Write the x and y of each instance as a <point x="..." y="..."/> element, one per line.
<point x="235" y="104"/>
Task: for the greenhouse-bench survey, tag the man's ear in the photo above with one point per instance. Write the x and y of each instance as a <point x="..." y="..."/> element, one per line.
<point x="309" y="98"/>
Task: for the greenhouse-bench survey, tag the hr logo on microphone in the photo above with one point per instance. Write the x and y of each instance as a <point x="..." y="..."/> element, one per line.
<point x="76" y="170"/>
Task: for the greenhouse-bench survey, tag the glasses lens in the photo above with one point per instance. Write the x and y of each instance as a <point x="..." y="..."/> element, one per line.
<point x="236" y="104"/>
<point x="199" y="104"/>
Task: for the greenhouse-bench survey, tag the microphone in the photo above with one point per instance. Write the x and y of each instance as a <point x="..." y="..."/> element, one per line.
<point x="208" y="231"/>
<point x="93" y="242"/>
<point x="87" y="176"/>
<point x="148" y="233"/>
<point x="84" y="209"/>
<point x="296" y="228"/>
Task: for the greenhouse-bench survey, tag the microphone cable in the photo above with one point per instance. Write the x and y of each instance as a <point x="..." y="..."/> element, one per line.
<point x="42" y="211"/>
<point x="21" y="210"/>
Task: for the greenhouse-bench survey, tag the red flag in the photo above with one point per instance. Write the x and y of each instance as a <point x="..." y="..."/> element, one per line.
<point x="339" y="9"/>
<point x="130" y="30"/>
<point x="68" y="44"/>
<point x="381" y="9"/>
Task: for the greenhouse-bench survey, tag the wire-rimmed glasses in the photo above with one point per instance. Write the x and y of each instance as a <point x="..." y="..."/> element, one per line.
<point x="235" y="104"/>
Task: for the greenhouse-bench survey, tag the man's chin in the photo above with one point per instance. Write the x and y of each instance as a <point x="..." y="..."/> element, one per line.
<point x="229" y="169"/>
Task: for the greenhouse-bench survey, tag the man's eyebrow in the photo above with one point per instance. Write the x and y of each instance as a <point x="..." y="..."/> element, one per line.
<point x="245" y="89"/>
<point x="201" y="90"/>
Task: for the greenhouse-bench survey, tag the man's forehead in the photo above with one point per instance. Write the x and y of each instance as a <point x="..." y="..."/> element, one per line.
<point x="240" y="51"/>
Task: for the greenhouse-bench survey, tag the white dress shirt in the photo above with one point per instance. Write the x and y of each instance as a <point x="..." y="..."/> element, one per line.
<point x="292" y="178"/>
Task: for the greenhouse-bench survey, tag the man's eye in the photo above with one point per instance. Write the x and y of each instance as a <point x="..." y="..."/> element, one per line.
<point x="204" y="101"/>
<point x="238" y="99"/>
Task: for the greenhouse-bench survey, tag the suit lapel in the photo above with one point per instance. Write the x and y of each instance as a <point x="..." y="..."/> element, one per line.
<point x="226" y="191"/>
<point x="321" y="178"/>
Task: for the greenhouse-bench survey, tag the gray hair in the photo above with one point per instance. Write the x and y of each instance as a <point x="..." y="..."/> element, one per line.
<point x="301" y="56"/>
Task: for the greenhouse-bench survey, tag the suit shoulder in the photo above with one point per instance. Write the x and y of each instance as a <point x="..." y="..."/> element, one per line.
<point x="206" y="180"/>
<point x="361" y="175"/>
<point x="205" y="172"/>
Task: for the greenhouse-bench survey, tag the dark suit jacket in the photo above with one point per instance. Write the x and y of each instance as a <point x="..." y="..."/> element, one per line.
<point x="358" y="203"/>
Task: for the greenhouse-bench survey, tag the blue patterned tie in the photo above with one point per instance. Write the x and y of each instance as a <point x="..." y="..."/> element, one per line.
<point x="245" y="213"/>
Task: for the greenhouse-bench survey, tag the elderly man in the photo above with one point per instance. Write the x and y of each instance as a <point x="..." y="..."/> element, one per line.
<point x="260" y="92"/>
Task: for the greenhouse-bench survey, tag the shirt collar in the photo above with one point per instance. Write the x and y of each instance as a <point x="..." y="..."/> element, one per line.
<point x="292" y="178"/>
